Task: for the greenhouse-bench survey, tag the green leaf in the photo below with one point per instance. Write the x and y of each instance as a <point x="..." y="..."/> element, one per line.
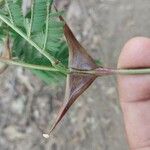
<point x="15" y="12"/>
<point x="39" y="15"/>
<point x="56" y="14"/>
<point x="49" y="77"/>
<point x="36" y="22"/>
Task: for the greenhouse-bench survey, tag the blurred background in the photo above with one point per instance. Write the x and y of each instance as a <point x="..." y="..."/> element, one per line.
<point x="95" y="122"/>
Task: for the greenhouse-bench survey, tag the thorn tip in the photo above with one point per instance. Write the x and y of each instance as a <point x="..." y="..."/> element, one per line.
<point x="46" y="136"/>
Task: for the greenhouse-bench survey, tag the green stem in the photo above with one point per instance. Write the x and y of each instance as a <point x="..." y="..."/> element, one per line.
<point x="31" y="21"/>
<point x="47" y="26"/>
<point x="54" y="61"/>
<point x="98" y="72"/>
<point x="109" y="71"/>
<point x="132" y="71"/>
<point x="30" y="66"/>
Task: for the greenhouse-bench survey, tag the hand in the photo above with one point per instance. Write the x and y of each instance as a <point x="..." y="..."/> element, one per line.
<point x="134" y="93"/>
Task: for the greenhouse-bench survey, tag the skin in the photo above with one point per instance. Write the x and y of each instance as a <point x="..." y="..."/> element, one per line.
<point x="134" y="93"/>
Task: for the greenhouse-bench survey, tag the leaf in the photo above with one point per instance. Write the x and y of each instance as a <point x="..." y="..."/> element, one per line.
<point x="16" y="12"/>
<point x="54" y="35"/>
<point x="56" y="46"/>
<point x="2" y="2"/>
<point x="31" y="56"/>
<point x="39" y="15"/>
<point x="49" y="77"/>
<point x="56" y="14"/>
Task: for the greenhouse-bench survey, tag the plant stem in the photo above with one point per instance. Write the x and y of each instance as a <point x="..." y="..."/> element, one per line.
<point x="109" y="71"/>
<point x="30" y="66"/>
<point x="97" y="72"/>
<point x="47" y="26"/>
<point x="54" y="61"/>
<point x="132" y="71"/>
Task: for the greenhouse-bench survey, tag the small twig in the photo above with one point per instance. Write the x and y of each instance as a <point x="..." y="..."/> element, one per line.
<point x="132" y="71"/>
<point x="7" y="51"/>
<point x="31" y="66"/>
<point x="109" y="71"/>
<point x="6" y="54"/>
<point x="97" y="72"/>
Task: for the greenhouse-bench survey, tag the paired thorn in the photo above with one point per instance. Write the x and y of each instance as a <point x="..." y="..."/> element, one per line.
<point x="76" y="83"/>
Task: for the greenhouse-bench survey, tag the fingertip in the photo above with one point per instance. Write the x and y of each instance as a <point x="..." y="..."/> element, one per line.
<point x="135" y="53"/>
<point x="134" y="92"/>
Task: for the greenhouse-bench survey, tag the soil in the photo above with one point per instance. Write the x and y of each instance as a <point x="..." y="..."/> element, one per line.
<point x="95" y="121"/>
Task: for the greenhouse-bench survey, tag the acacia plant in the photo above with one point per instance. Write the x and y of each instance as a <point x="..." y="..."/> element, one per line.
<point x="35" y="40"/>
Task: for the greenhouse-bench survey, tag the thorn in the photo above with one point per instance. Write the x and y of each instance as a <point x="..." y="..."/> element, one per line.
<point x="46" y="136"/>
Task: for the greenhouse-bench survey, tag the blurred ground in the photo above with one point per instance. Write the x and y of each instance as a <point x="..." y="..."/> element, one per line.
<point x="95" y="121"/>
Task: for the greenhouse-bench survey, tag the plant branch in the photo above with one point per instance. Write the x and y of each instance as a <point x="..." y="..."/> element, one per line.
<point x="97" y="72"/>
<point x="110" y="71"/>
<point x="54" y="61"/>
<point x="48" y="56"/>
<point x="133" y="71"/>
<point x="30" y="66"/>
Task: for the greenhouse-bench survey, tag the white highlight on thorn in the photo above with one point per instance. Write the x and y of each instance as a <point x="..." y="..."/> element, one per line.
<point x="46" y="136"/>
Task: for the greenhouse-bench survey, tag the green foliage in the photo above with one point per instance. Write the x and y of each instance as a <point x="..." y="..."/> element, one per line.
<point x="41" y="26"/>
<point x="15" y="12"/>
<point x="38" y="15"/>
